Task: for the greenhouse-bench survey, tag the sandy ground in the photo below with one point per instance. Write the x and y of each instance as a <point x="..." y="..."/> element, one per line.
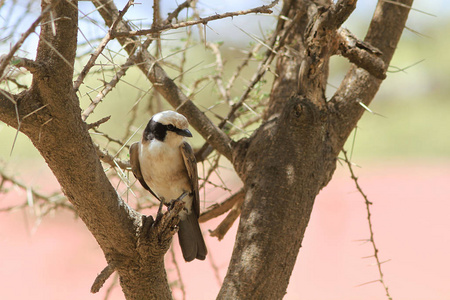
<point x="60" y="259"/>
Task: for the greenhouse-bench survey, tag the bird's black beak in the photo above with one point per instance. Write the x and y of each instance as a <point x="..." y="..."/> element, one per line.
<point x="184" y="132"/>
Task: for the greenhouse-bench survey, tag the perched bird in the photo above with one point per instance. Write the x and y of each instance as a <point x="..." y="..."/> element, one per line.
<point x="165" y="165"/>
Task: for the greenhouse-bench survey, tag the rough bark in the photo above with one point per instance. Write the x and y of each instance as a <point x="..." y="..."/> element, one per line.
<point x="286" y="162"/>
<point x="49" y="114"/>
<point x="283" y="165"/>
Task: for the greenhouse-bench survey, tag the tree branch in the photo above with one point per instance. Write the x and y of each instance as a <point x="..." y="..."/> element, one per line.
<point x="57" y="51"/>
<point x="167" y="88"/>
<point x="359" y="85"/>
<point x="6" y="59"/>
<point x="176" y="12"/>
<point x="101" y="47"/>
<point x="361" y="54"/>
<point x="341" y="11"/>
<point x="102" y="277"/>
<point x="111" y="160"/>
<point x="264" y="9"/>
<point x="216" y="210"/>
<point x="8" y="108"/>
<point x="26" y="63"/>
<point x="108" y="87"/>
<point x="229" y="220"/>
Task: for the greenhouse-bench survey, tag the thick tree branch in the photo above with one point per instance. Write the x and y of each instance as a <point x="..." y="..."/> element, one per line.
<point x="57" y="51"/>
<point x="361" y="54"/>
<point x="8" y="108"/>
<point x="341" y="11"/>
<point x="49" y="114"/>
<point x="359" y="85"/>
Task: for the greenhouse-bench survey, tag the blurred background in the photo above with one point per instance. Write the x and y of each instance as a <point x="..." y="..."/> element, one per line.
<point x="401" y="150"/>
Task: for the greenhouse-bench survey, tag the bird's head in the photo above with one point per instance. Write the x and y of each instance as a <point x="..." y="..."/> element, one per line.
<point x="167" y="126"/>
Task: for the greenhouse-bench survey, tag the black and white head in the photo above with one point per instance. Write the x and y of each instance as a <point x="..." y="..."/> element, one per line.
<point x="167" y="126"/>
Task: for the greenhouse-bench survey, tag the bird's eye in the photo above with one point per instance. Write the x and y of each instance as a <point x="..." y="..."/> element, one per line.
<point x="170" y="127"/>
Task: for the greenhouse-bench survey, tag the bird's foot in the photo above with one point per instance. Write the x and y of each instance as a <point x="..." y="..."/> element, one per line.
<point x="173" y="201"/>
<point x="159" y="214"/>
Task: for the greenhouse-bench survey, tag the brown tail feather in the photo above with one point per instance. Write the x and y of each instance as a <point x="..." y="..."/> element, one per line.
<point x="191" y="239"/>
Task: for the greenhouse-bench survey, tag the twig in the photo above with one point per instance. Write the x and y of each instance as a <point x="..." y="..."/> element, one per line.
<point x="99" y="122"/>
<point x="218" y="209"/>
<point x="6" y="59"/>
<point x="29" y="64"/>
<point x="110" y="139"/>
<point x="226" y="224"/>
<point x="262" y="68"/>
<point x="102" y="277"/>
<point x="101" y="47"/>
<point x="177" y="268"/>
<point x="408" y="7"/>
<point x="176" y="12"/>
<point x="369" y="219"/>
<point x="219" y="68"/>
<point x="111" y="160"/>
<point x="211" y="169"/>
<point x="108" y="87"/>
<point x="261" y="9"/>
<point x="215" y="268"/>
<point x="55" y="199"/>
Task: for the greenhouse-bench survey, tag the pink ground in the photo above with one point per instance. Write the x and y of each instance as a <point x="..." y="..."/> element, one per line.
<point x="411" y="220"/>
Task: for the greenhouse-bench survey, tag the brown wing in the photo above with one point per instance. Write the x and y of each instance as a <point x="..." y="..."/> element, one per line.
<point x="191" y="167"/>
<point x="136" y="166"/>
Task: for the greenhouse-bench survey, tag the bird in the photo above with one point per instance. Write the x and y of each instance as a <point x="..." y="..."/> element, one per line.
<point x="165" y="165"/>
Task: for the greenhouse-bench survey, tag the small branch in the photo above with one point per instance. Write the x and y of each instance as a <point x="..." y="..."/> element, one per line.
<point x="110" y="139"/>
<point x="98" y="123"/>
<point x="266" y="9"/>
<point x="177" y="268"/>
<point x="55" y="200"/>
<point x="216" y="210"/>
<point x="226" y="224"/>
<point x="26" y="63"/>
<point x="156" y="22"/>
<point x="276" y="43"/>
<point x="108" y="87"/>
<point x="361" y="53"/>
<point x="176" y="12"/>
<point x="111" y="160"/>
<point x="219" y="68"/>
<point x="168" y="89"/>
<point x="7" y="58"/>
<point x="102" y="277"/>
<point x="101" y="47"/>
<point x="369" y="219"/>
<point x="341" y="11"/>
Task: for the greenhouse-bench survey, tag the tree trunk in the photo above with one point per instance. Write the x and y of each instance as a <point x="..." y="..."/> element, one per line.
<point x="286" y="162"/>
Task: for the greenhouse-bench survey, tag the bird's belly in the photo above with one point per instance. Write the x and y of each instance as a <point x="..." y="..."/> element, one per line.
<point x="165" y="173"/>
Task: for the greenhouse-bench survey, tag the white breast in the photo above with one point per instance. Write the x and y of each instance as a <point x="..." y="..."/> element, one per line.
<point x="163" y="169"/>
